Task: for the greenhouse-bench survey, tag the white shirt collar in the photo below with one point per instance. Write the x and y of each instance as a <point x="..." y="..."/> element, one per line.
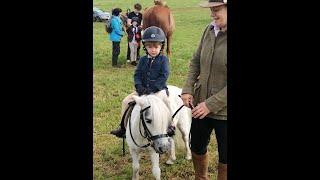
<point x="216" y="28"/>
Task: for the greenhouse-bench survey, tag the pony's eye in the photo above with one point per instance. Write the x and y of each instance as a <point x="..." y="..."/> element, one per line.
<point x="148" y="120"/>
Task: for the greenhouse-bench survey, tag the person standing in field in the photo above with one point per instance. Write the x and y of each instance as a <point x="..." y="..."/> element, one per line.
<point x="206" y="88"/>
<point x="128" y="11"/>
<point x="135" y="13"/>
<point x="134" y="37"/>
<point x="116" y="35"/>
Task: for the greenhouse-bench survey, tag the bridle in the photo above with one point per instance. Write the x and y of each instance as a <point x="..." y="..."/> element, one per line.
<point x="131" y="105"/>
<point x="147" y="133"/>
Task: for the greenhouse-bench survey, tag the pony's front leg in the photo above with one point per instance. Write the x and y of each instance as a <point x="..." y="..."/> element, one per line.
<point x="155" y="164"/>
<point x="172" y="153"/>
<point x="135" y="164"/>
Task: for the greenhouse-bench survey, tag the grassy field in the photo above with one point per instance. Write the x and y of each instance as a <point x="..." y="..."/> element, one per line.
<point x="111" y="85"/>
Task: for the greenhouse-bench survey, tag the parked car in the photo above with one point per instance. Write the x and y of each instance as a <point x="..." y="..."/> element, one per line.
<point x="100" y="15"/>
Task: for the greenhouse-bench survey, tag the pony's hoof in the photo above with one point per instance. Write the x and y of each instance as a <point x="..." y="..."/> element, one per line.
<point x="188" y="157"/>
<point x="170" y="162"/>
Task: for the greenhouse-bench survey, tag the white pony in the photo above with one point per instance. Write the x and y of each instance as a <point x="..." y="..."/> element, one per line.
<point x="147" y="129"/>
<point x="182" y="120"/>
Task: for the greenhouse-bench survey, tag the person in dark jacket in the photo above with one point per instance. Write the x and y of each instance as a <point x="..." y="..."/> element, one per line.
<point x="151" y="73"/>
<point x="135" y="13"/>
<point x="134" y="37"/>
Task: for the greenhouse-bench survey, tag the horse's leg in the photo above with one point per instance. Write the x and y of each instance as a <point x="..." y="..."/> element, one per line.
<point x="168" y="46"/>
<point x="172" y="154"/>
<point x="155" y="164"/>
<point x="135" y="164"/>
<point x="185" y="136"/>
<point x="187" y="144"/>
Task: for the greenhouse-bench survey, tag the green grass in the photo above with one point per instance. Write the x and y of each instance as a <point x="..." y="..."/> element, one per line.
<point x="111" y="85"/>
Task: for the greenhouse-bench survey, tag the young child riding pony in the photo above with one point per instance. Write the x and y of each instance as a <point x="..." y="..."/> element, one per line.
<point x="151" y="73"/>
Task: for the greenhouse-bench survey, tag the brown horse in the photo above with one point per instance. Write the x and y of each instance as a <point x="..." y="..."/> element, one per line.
<point x="160" y="15"/>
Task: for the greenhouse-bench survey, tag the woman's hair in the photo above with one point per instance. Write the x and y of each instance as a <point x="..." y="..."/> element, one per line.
<point x="116" y="11"/>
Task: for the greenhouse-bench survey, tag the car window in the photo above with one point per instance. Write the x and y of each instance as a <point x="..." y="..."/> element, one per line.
<point x="99" y="11"/>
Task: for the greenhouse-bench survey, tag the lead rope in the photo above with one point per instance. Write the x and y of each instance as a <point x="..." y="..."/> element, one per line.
<point x="171" y="128"/>
<point x="191" y="107"/>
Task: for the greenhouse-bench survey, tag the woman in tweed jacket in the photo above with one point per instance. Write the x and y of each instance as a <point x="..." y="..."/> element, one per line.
<point x="206" y="88"/>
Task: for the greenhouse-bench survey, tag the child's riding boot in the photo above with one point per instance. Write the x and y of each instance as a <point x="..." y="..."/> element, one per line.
<point x="118" y="132"/>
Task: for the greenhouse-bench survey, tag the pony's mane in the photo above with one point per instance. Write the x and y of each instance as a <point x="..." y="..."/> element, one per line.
<point x="159" y="110"/>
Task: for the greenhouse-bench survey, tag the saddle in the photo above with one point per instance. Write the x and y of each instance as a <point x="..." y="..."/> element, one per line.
<point x="127" y="114"/>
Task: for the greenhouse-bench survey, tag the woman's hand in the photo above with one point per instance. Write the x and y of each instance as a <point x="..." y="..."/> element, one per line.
<point x="186" y="98"/>
<point x="200" y="111"/>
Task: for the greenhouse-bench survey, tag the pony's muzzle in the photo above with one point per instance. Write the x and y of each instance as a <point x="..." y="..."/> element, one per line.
<point x="161" y="147"/>
<point x="163" y="150"/>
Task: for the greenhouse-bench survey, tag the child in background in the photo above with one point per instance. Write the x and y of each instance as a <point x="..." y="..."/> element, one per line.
<point x="134" y="37"/>
<point x="128" y="11"/>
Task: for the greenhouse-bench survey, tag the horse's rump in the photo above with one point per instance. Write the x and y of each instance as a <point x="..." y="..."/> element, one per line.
<point x="159" y="16"/>
<point x="160" y="2"/>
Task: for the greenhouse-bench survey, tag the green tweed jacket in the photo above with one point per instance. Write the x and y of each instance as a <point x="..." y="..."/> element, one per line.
<point x="207" y="75"/>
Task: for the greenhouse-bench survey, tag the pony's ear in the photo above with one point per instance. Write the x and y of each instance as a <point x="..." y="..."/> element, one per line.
<point x="139" y="100"/>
